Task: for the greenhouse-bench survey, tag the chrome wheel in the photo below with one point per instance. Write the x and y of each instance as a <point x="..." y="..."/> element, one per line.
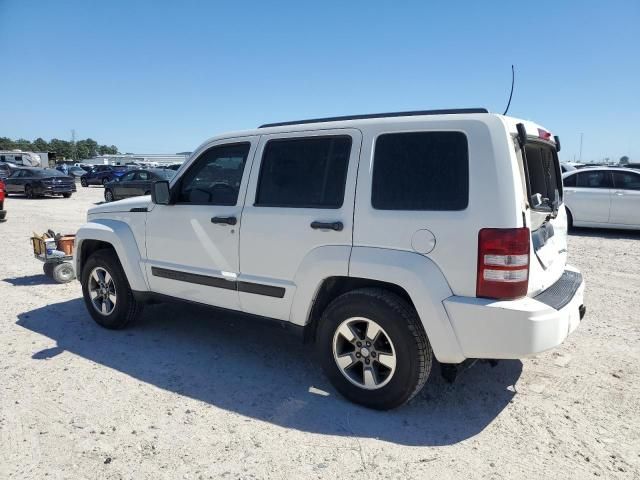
<point x="364" y="353"/>
<point x="102" y="291"/>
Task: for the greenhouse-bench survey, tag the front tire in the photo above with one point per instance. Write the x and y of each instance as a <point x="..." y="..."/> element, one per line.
<point x="66" y="195"/>
<point x="105" y="181"/>
<point x="28" y="191"/>
<point x="108" y="195"/>
<point x="106" y="291"/>
<point x="373" y="348"/>
<point x="83" y="182"/>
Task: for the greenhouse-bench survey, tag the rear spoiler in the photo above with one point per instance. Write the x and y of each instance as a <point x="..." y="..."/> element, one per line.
<point x="542" y="135"/>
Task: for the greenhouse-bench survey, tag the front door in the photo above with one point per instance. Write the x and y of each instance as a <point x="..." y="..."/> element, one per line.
<point x="625" y="200"/>
<point x="192" y="244"/>
<point x="299" y="207"/>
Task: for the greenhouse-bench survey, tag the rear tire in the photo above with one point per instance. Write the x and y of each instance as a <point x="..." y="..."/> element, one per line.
<point x="28" y="191"/>
<point x="107" y="294"/>
<point x="108" y="195"/>
<point x="83" y="182"/>
<point x="66" y="195"/>
<point x="407" y="353"/>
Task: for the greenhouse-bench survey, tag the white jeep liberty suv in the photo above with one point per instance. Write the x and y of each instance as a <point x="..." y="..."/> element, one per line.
<point x="388" y="240"/>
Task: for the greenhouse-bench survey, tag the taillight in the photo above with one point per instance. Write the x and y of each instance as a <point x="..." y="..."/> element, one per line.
<point x="503" y="263"/>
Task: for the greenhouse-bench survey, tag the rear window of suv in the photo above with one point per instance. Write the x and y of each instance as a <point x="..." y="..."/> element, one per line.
<point x="421" y="171"/>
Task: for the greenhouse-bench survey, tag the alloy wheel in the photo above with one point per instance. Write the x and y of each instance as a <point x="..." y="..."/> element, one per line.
<point x="102" y="291"/>
<point x="364" y="353"/>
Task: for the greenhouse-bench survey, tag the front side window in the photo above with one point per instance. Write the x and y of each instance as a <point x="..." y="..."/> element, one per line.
<point x="128" y="177"/>
<point x="626" y="181"/>
<point x="593" y="179"/>
<point x="569" y="180"/>
<point x="421" y="171"/>
<point x="215" y="176"/>
<point x="143" y="176"/>
<point x="305" y="172"/>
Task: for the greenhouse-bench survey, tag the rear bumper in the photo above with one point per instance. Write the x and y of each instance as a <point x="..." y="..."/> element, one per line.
<point x="518" y="328"/>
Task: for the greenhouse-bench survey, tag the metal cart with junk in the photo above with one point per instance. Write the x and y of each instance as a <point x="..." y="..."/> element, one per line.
<point x="56" y="252"/>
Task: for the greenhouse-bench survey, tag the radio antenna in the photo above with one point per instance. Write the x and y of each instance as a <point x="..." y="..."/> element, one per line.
<point x="513" y="79"/>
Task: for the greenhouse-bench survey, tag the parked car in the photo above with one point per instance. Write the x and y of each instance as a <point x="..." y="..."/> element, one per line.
<point x="135" y="183"/>
<point x="102" y="174"/>
<point x="34" y="182"/>
<point x="6" y="169"/>
<point x="434" y="253"/>
<point x="3" y="212"/>
<point x="603" y="197"/>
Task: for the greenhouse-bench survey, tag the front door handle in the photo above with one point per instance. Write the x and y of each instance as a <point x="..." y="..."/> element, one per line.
<point x="619" y="193"/>
<point x="224" y="220"/>
<point x="337" y="226"/>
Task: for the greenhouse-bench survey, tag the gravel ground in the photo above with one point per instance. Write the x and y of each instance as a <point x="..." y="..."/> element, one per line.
<point x="191" y="394"/>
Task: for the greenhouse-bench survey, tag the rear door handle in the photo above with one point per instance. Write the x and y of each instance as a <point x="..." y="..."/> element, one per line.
<point x="337" y="226"/>
<point x="619" y="193"/>
<point x="224" y="220"/>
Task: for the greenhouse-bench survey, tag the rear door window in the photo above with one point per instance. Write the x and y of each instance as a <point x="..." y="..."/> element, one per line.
<point x="304" y="172"/>
<point x="626" y="180"/>
<point x="593" y="179"/>
<point x="421" y="171"/>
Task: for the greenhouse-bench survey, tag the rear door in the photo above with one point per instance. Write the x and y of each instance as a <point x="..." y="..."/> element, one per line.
<point x="625" y="200"/>
<point x="300" y="199"/>
<point x="590" y="199"/>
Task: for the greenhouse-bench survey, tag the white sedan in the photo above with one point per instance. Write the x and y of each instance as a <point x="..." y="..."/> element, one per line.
<point x="603" y="197"/>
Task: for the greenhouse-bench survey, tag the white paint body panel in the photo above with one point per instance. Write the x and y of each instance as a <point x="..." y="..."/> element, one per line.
<point x="431" y="255"/>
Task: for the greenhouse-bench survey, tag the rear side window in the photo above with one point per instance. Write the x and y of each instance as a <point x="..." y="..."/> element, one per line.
<point x="304" y="172"/>
<point x="595" y="179"/>
<point x="421" y="171"/>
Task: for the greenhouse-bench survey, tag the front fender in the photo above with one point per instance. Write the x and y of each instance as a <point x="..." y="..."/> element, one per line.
<point x="119" y="235"/>
<point x="427" y="287"/>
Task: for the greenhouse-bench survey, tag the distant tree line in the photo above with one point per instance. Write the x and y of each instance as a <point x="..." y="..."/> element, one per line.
<point x="81" y="150"/>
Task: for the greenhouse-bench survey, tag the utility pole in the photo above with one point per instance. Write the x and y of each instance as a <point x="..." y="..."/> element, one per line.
<point x="581" y="147"/>
<point x="74" y="152"/>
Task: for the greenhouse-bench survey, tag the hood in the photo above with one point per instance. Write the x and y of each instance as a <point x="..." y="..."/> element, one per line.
<point x="122" y="205"/>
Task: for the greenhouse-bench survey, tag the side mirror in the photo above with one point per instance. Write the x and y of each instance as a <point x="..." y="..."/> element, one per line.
<point x="160" y="193"/>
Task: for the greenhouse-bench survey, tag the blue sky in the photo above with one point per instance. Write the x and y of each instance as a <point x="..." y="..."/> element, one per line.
<point x="162" y="76"/>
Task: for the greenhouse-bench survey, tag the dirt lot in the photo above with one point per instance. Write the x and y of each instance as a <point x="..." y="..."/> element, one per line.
<point x="189" y="394"/>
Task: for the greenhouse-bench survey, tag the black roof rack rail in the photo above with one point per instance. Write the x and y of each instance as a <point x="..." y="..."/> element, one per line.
<point x="451" y="111"/>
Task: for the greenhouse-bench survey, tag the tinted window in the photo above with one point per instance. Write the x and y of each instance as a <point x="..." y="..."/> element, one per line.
<point x="49" y="172"/>
<point x="215" y="176"/>
<point x="569" y="181"/>
<point x="143" y="176"/>
<point x="304" y="172"/>
<point x="421" y="171"/>
<point x="128" y="177"/>
<point x="593" y="179"/>
<point x="626" y="181"/>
